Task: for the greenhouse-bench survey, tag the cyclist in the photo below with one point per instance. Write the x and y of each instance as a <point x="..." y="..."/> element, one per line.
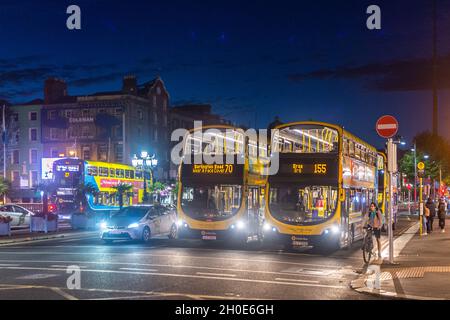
<point x="375" y="222"/>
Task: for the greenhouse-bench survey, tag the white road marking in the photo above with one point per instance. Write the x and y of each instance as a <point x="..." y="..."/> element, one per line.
<point x="152" y="255"/>
<point x="185" y="276"/>
<point x="9" y="265"/>
<point x="285" y="272"/>
<point x="66" y="266"/>
<point x="132" y="292"/>
<point x="37" y="275"/>
<point x="216" y="274"/>
<point x="64" y="294"/>
<point x="298" y="280"/>
<point x="139" y="269"/>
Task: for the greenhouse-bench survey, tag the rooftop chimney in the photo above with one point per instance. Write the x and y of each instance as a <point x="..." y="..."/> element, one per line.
<point x="129" y="84"/>
<point x="54" y="90"/>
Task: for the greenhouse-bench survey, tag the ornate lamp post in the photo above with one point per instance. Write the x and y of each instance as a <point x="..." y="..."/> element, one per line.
<point x="144" y="161"/>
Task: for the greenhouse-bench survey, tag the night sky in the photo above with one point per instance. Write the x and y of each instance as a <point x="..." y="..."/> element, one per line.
<point x="251" y="60"/>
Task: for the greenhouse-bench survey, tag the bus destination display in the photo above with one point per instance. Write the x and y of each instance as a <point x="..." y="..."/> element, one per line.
<point x="310" y="168"/>
<point x="223" y="169"/>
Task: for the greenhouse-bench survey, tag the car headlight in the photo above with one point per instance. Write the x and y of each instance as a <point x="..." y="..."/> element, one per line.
<point x="103" y="225"/>
<point x="240" y="224"/>
<point x="180" y="223"/>
<point x="133" y="225"/>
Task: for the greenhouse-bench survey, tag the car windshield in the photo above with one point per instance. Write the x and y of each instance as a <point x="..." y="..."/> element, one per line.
<point x="132" y="212"/>
<point x="302" y="205"/>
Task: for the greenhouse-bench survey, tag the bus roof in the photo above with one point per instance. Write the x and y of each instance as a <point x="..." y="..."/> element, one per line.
<point x="340" y="130"/>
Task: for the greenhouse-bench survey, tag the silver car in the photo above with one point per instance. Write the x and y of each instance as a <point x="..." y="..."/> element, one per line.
<point x="20" y="216"/>
<point x="140" y="223"/>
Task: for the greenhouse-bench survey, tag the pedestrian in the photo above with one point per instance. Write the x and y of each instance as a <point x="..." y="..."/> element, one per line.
<point x="425" y="216"/>
<point x="376" y="222"/>
<point x="432" y="207"/>
<point x="441" y="214"/>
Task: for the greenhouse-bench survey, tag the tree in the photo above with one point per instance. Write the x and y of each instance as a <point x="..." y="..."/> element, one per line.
<point x="4" y="186"/>
<point x="82" y="191"/>
<point x="123" y="189"/>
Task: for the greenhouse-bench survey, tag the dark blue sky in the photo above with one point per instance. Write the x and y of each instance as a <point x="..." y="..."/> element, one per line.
<point x="297" y="59"/>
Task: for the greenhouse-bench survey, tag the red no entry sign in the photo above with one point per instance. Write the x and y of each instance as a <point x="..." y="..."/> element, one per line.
<point x="387" y="126"/>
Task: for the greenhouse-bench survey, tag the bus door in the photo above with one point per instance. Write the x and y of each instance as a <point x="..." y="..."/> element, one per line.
<point x="253" y="210"/>
<point x="346" y="208"/>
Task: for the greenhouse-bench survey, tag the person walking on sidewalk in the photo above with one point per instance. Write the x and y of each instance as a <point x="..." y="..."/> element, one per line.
<point x="376" y="222"/>
<point x="432" y="213"/>
<point x="441" y="214"/>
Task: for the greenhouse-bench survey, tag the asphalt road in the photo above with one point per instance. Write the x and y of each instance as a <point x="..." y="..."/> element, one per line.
<point x="167" y="269"/>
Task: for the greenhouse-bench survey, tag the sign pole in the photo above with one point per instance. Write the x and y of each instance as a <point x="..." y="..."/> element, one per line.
<point x="387" y="127"/>
<point x="392" y="160"/>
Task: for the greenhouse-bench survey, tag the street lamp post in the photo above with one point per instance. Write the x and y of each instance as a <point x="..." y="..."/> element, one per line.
<point x="144" y="161"/>
<point x="415" y="176"/>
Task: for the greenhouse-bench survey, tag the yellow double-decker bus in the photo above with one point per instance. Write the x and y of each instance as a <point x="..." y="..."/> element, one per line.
<point x="324" y="185"/>
<point x="70" y="173"/>
<point x="223" y="200"/>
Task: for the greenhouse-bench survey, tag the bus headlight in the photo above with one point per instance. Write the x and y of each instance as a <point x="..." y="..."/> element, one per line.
<point x="240" y="225"/>
<point x="266" y="226"/>
<point x="180" y="223"/>
<point x="335" y="229"/>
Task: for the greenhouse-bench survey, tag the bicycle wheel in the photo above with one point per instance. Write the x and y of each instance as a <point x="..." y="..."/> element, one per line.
<point x="367" y="251"/>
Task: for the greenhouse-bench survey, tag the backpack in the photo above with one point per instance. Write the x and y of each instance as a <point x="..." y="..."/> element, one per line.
<point x="427" y="212"/>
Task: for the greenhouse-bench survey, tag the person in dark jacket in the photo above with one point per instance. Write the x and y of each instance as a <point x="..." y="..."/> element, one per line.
<point x="430" y="205"/>
<point x="441" y="214"/>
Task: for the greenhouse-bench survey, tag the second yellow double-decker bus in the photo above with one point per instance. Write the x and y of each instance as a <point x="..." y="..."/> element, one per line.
<point x="324" y="185"/>
<point x="222" y="200"/>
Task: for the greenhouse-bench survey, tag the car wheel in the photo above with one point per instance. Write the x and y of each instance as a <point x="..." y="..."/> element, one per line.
<point x="146" y="235"/>
<point x="173" y="232"/>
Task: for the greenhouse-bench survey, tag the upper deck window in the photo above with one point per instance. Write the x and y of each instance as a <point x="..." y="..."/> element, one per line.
<point x="306" y="139"/>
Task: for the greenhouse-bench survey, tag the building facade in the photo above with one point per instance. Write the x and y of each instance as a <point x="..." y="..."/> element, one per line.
<point x="107" y="126"/>
<point x="24" y="151"/>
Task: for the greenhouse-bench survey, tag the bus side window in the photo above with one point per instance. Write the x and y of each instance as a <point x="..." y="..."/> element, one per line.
<point x="345" y="147"/>
<point x="351" y="148"/>
<point x="127" y="174"/>
<point x="112" y="173"/>
<point x="92" y="170"/>
<point x="103" y="172"/>
<point x="119" y="173"/>
<point x="139" y="175"/>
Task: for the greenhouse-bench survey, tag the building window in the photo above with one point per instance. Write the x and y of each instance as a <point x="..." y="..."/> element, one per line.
<point x="103" y="152"/>
<point x="15" y="157"/>
<point x="118" y="153"/>
<point x="33" y="156"/>
<point x="86" y="153"/>
<point x="140" y="115"/>
<point x="158" y="90"/>
<point x="15" y="178"/>
<point x="33" y="134"/>
<point x="165" y="104"/>
<point x="52" y="114"/>
<point x="85" y="132"/>
<point x="53" y="133"/>
<point x="85" y="112"/>
<point x="139" y="130"/>
<point x="156" y="134"/>
<point x="154" y="101"/>
<point x="32" y="115"/>
<point x="155" y="117"/>
<point x="118" y="111"/>
<point x="34" y="178"/>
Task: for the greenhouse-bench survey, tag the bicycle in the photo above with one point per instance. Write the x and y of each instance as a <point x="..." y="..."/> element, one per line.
<point x="367" y="246"/>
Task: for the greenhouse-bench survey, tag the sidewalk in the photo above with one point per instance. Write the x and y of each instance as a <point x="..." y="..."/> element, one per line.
<point x="24" y="235"/>
<point x="422" y="269"/>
